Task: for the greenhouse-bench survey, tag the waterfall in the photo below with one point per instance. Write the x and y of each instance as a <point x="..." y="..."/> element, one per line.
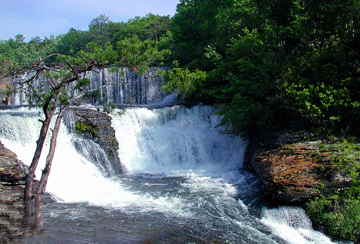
<point x="74" y="178"/>
<point x="176" y="140"/>
<point x="179" y="141"/>
<point x="180" y="166"/>
<point x="122" y="86"/>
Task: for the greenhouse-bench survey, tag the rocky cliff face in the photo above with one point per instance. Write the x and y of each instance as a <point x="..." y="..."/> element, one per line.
<point x="96" y="126"/>
<point x="12" y="184"/>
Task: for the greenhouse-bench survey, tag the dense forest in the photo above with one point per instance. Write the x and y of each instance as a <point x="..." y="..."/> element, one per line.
<point x="267" y="66"/>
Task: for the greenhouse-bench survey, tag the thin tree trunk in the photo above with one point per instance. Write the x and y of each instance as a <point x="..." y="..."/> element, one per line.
<point x="46" y="171"/>
<point x="51" y="153"/>
<point x="49" y="110"/>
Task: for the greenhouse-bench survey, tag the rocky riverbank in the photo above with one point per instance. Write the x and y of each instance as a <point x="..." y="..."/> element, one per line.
<point x="292" y="169"/>
<point x="317" y="175"/>
<point x="12" y="184"/>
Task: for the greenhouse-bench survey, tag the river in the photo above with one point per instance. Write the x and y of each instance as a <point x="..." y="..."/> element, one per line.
<point x="184" y="183"/>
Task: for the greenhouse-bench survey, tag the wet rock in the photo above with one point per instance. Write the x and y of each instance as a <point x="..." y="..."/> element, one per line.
<point x="12" y="184"/>
<point x="97" y="127"/>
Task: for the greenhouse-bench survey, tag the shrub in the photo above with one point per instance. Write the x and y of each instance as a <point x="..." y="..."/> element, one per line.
<point x="339" y="209"/>
<point x="84" y="128"/>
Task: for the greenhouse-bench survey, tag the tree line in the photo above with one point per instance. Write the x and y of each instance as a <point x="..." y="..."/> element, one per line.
<point x="271" y="65"/>
<point x="267" y="65"/>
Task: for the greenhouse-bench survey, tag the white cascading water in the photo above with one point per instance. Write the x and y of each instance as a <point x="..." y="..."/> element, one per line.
<point x="180" y="141"/>
<point x="176" y="141"/>
<point x="73" y="177"/>
<point x="292" y="225"/>
<point x="172" y="142"/>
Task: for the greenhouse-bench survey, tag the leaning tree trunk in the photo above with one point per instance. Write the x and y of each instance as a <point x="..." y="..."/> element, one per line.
<point x="46" y="171"/>
<point x="29" y="220"/>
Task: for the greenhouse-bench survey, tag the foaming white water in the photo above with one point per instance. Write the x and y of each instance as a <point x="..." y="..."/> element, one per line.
<point x="293" y="225"/>
<point x="74" y="178"/>
<point x="177" y="141"/>
<point x="171" y="142"/>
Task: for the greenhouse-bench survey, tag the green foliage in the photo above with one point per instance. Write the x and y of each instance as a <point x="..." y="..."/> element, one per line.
<point x="16" y="54"/>
<point x="341" y="217"/>
<point x="273" y="64"/>
<point x="346" y="157"/>
<point x="139" y="54"/>
<point x="150" y="27"/>
<point x="102" y="30"/>
<point x="93" y="94"/>
<point x="73" y="41"/>
<point x="84" y="128"/>
<point x="338" y="210"/>
<point x="183" y="81"/>
<point x="251" y="103"/>
<point x="81" y="83"/>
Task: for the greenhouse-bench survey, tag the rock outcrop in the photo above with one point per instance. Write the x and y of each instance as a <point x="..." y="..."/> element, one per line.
<point x="293" y="171"/>
<point x="96" y="126"/>
<point x="12" y="184"/>
<point x="289" y="173"/>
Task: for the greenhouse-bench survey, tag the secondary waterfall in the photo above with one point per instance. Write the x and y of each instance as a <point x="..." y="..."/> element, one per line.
<point x="122" y="86"/>
<point x="184" y="184"/>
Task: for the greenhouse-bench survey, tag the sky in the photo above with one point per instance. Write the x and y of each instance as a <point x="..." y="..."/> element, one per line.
<point x="52" y="17"/>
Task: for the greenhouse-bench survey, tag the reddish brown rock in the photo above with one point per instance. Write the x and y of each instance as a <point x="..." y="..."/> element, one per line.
<point x="290" y="173"/>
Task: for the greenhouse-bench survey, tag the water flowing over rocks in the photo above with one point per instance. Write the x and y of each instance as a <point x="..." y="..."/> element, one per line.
<point x="12" y="184"/>
<point x="108" y="86"/>
<point x="99" y="130"/>
<point x="184" y="177"/>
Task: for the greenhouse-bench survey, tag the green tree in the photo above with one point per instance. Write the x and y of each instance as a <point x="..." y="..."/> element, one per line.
<point x="73" y="41"/>
<point x="150" y="27"/>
